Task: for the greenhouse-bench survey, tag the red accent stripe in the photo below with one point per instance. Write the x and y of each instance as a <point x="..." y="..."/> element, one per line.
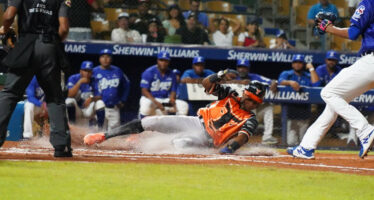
<point x="253" y="96"/>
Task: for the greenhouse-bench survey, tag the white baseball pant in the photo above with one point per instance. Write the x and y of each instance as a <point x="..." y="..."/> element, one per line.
<point x="148" y="108"/>
<point x="189" y="129"/>
<point x="348" y="84"/>
<point x="30" y="111"/>
<point x="296" y="130"/>
<point x="87" y="112"/>
<point x="266" y="111"/>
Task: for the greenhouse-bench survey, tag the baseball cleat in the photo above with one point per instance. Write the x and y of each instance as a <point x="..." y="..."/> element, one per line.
<point x="301" y="152"/>
<point x="269" y="141"/>
<point x="366" y="144"/>
<point x="93" y="138"/>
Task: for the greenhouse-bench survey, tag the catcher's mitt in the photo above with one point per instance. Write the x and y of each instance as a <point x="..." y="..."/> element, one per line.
<point x="323" y="20"/>
<point x="9" y="39"/>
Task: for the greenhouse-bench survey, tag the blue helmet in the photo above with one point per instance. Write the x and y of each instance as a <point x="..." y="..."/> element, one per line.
<point x="298" y="58"/>
<point x="198" y="59"/>
<point x="163" y="55"/>
<point x="243" y="62"/>
<point x="87" y="65"/>
<point x="332" y="55"/>
<point x="106" y="52"/>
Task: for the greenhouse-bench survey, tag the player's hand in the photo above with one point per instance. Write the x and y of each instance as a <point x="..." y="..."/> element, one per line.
<point x="295" y="85"/>
<point x="84" y="80"/>
<point x="87" y="102"/>
<point x="274" y="86"/>
<point x="309" y="66"/>
<point x="159" y="105"/>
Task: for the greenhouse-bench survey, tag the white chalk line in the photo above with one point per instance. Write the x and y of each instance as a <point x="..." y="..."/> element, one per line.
<point x="135" y="156"/>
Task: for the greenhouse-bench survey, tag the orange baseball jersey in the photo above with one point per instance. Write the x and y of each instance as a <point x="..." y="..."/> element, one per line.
<point x="224" y="119"/>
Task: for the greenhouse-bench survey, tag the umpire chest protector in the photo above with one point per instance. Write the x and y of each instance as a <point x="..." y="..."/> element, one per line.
<point x="39" y="17"/>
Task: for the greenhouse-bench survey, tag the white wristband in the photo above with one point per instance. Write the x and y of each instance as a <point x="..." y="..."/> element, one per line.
<point x="311" y="69"/>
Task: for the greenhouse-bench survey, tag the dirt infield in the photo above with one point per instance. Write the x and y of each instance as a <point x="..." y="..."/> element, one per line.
<point x="344" y="163"/>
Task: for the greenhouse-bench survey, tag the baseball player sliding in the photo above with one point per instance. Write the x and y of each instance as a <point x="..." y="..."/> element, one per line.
<point x="228" y="118"/>
<point x="348" y="84"/>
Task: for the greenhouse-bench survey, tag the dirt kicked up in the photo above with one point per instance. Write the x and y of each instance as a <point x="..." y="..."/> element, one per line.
<point x="156" y="148"/>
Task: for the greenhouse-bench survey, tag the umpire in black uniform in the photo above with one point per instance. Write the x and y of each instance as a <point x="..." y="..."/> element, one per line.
<point x="43" y="25"/>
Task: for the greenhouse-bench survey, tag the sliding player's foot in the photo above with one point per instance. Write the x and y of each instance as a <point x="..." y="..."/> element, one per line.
<point x="93" y="138"/>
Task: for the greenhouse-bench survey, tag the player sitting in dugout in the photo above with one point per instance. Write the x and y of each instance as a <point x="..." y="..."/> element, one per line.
<point x="225" y="124"/>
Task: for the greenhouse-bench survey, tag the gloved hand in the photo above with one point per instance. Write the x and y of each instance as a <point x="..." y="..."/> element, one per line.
<point x="323" y="20"/>
<point x="226" y="150"/>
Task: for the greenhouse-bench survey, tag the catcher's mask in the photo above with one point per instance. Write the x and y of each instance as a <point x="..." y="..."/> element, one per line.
<point x="256" y="91"/>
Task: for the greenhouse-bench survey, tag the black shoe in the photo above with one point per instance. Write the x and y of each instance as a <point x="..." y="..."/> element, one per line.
<point x="66" y="153"/>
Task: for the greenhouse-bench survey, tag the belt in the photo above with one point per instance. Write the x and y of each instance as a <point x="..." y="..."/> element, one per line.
<point x="371" y="52"/>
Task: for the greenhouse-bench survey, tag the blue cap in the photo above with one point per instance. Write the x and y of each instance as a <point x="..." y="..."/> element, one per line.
<point x="332" y="55"/>
<point x="198" y="59"/>
<point x="298" y="58"/>
<point x="87" y="65"/>
<point x="243" y="62"/>
<point x="105" y="51"/>
<point x="176" y="72"/>
<point x="163" y="55"/>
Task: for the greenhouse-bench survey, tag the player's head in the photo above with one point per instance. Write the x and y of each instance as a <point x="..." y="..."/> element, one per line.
<point x="86" y="69"/>
<point x="198" y="65"/>
<point x="105" y="58"/>
<point x="332" y="59"/>
<point x="163" y="60"/>
<point x="177" y="74"/>
<point x="253" y="96"/>
<point x="298" y="62"/>
<point x="243" y="67"/>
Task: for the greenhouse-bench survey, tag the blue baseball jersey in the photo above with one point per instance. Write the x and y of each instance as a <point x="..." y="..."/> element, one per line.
<point x="159" y="86"/>
<point x="298" y="111"/>
<point x="364" y="21"/>
<point x="319" y="8"/>
<point x="257" y="77"/>
<point x="324" y="76"/>
<point x="111" y="84"/>
<point x="85" y="90"/>
<point x="190" y="73"/>
<point x="34" y="93"/>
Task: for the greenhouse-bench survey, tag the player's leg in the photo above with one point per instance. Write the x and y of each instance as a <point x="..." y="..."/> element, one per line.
<point x="302" y="127"/>
<point x="88" y="112"/>
<point x="182" y="107"/>
<point x="16" y="82"/>
<point x="100" y="113"/>
<point x="267" y="111"/>
<point x="30" y="111"/>
<point x="113" y="117"/>
<point x="49" y="78"/>
<point x="146" y="107"/>
<point x="72" y="108"/>
<point x="291" y="132"/>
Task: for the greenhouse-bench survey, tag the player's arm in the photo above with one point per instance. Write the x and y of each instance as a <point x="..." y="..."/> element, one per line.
<point x="63" y="19"/>
<point x="211" y="82"/>
<point x="8" y="17"/>
<point x="245" y="132"/>
<point x="314" y="78"/>
<point x="30" y="92"/>
<point x="72" y="92"/>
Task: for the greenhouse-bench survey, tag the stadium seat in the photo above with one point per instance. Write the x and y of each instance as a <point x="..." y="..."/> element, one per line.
<point x="339" y="3"/>
<point x="219" y="6"/>
<point x="267" y="41"/>
<point x="112" y="13"/>
<point x="283" y="7"/>
<point x="100" y="26"/>
<point x="301" y="15"/>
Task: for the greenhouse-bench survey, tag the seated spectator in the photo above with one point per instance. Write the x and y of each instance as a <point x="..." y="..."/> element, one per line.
<point x="159" y="86"/>
<point x="223" y="36"/>
<point x="133" y="17"/>
<point x="123" y="33"/>
<point x="112" y="86"/>
<point x="253" y="37"/>
<point x="298" y="114"/>
<point x="81" y="102"/>
<point x="323" y="5"/>
<point x="266" y="109"/>
<point x="280" y="42"/>
<point x="174" y="20"/>
<point x="198" y="71"/>
<point x="144" y="17"/>
<point x="155" y="34"/>
<point x="202" y="18"/>
<point x="34" y="106"/>
<point x="192" y="33"/>
<point x="352" y="5"/>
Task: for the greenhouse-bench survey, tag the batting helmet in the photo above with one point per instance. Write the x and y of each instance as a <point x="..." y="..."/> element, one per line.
<point x="256" y="91"/>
